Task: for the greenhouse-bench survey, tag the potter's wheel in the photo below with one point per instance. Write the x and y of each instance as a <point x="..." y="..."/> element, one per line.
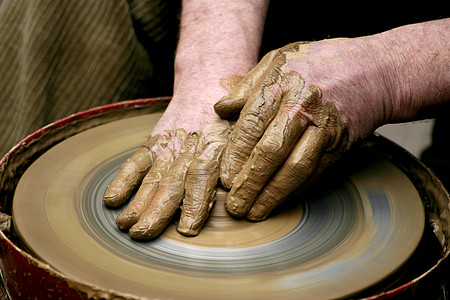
<point x="350" y="234"/>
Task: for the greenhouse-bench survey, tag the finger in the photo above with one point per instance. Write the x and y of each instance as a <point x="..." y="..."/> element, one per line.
<point x="230" y="105"/>
<point x="297" y="169"/>
<point x="331" y="154"/>
<point x="161" y="146"/>
<point x="201" y="182"/>
<point x="319" y="147"/>
<point x="165" y="202"/>
<point x="130" y="176"/>
<point x="253" y="121"/>
<point x="272" y="150"/>
<point x="144" y="195"/>
<point x="170" y="192"/>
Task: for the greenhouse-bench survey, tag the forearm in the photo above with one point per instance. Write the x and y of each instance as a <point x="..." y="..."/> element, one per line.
<point x="396" y="76"/>
<point x="217" y="39"/>
<point x="418" y="68"/>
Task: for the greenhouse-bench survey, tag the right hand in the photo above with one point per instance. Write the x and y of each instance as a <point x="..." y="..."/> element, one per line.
<point x="299" y="109"/>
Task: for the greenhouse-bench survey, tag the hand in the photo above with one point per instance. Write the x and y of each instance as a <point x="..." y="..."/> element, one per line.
<point x="178" y="166"/>
<point x="217" y="39"/>
<point x="171" y="168"/>
<point x="300" y="108"/>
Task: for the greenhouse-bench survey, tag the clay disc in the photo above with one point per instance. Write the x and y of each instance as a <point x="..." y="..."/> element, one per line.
<point x="349" y="234"/>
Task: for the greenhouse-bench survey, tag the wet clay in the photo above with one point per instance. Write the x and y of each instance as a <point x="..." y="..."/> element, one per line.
<point x="257" y="98"/>
<point x="298" y="136"/>
<point x="177" y="154"/>
<point x="317" y="148"/>
<point x="165" y="202"/>
<point x="201" y="181"/>
<point x="130" y="176"/>
<point x="281" y="114"/>
<point x="179" y="167"/>
<point x="159" y="144"/>
<point x="229" y="82"/>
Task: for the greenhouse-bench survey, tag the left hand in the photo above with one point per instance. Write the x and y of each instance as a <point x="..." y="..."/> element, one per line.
<point x="178" y="166"/>
<point x="217" y="39"/>
<point x="173" y="169"/>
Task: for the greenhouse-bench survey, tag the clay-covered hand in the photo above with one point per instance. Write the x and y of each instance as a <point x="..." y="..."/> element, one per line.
<point x="300" y="108"/>
<point x="171" y="169"/>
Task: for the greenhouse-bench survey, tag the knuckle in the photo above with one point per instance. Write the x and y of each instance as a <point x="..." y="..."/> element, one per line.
<point x="252" y="123"/>
<point x="300" y="168"/>
<point x="247" y="133"/>
<point x="271" y="55"/>
<point x="270" y="150"/>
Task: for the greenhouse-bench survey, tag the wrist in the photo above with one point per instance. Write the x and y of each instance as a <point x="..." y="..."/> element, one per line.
<point x="217" y="39"/>
<point x="413" y="61"/>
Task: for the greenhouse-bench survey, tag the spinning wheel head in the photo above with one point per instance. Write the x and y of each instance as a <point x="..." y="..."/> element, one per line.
<point x="343" y="237"/>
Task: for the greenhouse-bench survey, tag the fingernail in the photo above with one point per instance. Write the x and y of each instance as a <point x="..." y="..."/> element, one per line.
<point x="127" y="219"/>
<point x="110" y="199"/>
<point x="257" y="213"/>
<point x="234" y="207"/>
<point x="186" y="226"/>
<point x="115" y="197"/>
<point x="141" y="232"/>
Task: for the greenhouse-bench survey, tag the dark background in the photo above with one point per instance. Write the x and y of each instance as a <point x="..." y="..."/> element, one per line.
<point x="291" y="21"/>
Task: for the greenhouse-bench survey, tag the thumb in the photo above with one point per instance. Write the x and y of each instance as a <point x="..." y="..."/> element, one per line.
<point x="230" y="105"/>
